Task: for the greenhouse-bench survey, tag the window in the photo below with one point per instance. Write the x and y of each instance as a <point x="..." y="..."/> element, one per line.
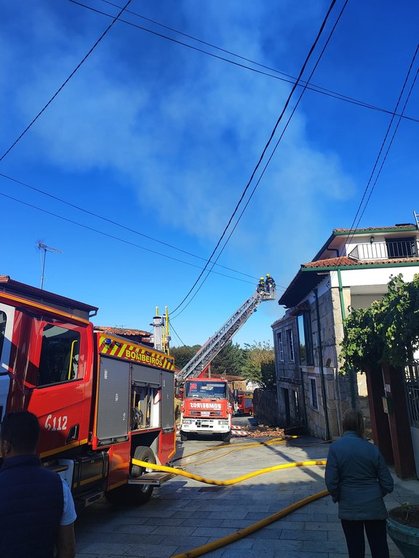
<point x="305" y="339"/>
<point x="313" y="393"/>
<point x="280" y="346"/>
<point x="59" y="355"/>
<point x="2" y="329"/>
<point x="401" y="247"/>
<point x="290" y="343"/>
<point x="208" y="389"/>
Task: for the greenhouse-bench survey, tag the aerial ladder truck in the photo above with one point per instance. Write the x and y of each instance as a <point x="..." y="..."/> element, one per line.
<point x="207" y="404"/>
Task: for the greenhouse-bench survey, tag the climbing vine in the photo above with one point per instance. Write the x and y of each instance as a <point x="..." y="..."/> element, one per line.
<point x="387" y="331"/>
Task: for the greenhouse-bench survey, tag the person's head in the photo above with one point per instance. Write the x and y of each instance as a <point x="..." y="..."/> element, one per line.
<point x="353" y="421"/>
<point x="19" y="434"/>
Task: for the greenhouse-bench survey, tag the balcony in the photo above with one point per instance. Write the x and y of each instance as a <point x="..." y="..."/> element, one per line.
<point x="387" y="250"/>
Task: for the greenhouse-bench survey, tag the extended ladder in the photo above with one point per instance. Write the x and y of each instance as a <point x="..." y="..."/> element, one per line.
<point x="213" y="346"/>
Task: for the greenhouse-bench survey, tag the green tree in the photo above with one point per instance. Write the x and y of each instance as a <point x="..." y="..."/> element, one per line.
<point x="183" y="354"/>
<point x="230" y="360"/>
<point x="260" y="364"/>
<point x="387" y="331"/>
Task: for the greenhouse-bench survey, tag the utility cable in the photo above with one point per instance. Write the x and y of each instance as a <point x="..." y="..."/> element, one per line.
<point x="287" y="79"/>
<point x="272" y="153"/>
<point x="358" y="214"/>
<point x="176" y="333"/>
<point x="280" y="137"/>
<point x="116" y="223"/>
<point x="114" y="237"/>
<point x="387" y="150"/>
<point x="263" y="152"/>
<point x="82" y="61"/>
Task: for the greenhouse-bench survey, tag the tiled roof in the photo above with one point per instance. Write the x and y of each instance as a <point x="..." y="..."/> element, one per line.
<point x="344" y="261"/>
<point x="123" y="331"/>
<point x="403" y="227"/>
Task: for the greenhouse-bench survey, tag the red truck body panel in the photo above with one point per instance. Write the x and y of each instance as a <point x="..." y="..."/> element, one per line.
<point x="97" y="397"/>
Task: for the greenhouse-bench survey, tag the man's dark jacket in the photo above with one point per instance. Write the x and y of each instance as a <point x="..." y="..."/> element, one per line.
<point x="31" y="506"/>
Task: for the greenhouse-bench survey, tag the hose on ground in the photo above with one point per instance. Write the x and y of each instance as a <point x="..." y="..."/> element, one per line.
<point x="229" y="482"/>
<point x="241" y="533"/>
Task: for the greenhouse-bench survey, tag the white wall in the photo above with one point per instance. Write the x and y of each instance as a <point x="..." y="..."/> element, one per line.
<point x="377" y="276"/>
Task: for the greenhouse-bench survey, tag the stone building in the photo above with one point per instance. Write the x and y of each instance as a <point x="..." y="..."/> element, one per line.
<point x="350" y="270"/>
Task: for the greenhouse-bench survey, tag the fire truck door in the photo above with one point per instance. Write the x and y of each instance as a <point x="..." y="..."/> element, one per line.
<point x="60" y="398"/>
<point x="6" y="328"/>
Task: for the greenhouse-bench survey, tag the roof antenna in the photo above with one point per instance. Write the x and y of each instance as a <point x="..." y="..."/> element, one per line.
<point x="44" y="248"/>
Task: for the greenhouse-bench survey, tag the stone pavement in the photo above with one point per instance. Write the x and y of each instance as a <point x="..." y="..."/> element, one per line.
<point x="184" y="514"/>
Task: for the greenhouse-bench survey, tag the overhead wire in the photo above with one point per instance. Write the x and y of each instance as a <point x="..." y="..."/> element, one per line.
<point x="262" y="154"/>
<point x="359" y="212"/>
<point x="387" y="150"/>
<point x="176" y="333"/>
<point x="116" y="223"/>
<point x="58" y="91"/>
<point x="114" y="237"/>
<point x="275" y="148"/>
<point x="287" y="79"/>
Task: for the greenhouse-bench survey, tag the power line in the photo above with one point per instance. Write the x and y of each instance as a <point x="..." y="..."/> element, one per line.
<point x="119" y="239"/>
<point x="176" y="333"/>
<point x="116" y="223"/>
<point x="358" y="214"/>
<point x="85" y="57"/>
<point x="271" y="155"/>
<point x="387" y="150"/>
<point x="313" y="46"/>
<point x="287" y="79"/>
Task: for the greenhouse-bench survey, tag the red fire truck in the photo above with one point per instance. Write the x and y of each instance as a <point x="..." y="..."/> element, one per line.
<point x="101" y="400"/>
<point x="244" y="404"/>
<point x="206" y="408"/>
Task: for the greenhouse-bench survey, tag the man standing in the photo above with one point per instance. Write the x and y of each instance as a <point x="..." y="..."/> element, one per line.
<point x="36" y="506"/>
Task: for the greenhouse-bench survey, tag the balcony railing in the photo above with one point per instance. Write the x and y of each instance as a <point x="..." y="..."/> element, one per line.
<point x="392" y="249"/>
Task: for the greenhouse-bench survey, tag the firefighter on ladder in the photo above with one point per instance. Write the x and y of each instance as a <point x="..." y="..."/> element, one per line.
<point x="261" y="285"/>
<point x="270" y="283"/>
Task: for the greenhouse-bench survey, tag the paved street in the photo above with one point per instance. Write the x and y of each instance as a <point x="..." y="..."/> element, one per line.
<point x="184" y="514"/>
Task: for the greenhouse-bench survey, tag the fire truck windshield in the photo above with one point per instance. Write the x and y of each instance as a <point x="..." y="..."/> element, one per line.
<point x="213" y="390"/>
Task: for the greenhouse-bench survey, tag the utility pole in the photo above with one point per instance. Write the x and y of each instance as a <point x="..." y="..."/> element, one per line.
<point x="44" y="248"/>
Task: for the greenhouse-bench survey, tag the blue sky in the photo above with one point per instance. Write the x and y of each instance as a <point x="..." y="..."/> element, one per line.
<point x="161" y="139"/>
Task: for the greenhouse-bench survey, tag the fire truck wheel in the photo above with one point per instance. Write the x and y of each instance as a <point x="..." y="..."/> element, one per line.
<point x="183" y="436"/>
<point x="226" y="437"/>
<point x="134" y="494"/>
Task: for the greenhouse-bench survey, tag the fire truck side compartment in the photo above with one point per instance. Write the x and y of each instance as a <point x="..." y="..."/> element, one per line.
<point x="168" y="408"/>
<point x="113" y="413"/>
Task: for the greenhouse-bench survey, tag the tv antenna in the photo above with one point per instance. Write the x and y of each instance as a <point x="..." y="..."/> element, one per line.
<point x="44" y="249"/>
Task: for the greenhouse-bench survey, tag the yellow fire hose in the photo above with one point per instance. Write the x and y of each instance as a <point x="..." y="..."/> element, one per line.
<point x="241" y="533"/>
<point x="238" y="446"/>
<point x="229" y="482"/>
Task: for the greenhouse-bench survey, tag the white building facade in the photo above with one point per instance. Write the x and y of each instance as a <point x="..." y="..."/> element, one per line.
<point x="351" y="270"/>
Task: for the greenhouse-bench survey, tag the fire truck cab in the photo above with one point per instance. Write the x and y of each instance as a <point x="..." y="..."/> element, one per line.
<point x="101" y="400"/>
<point x="206" y="408"/>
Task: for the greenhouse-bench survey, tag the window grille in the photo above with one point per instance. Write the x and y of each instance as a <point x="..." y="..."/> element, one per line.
<point x="412" y="392"/>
